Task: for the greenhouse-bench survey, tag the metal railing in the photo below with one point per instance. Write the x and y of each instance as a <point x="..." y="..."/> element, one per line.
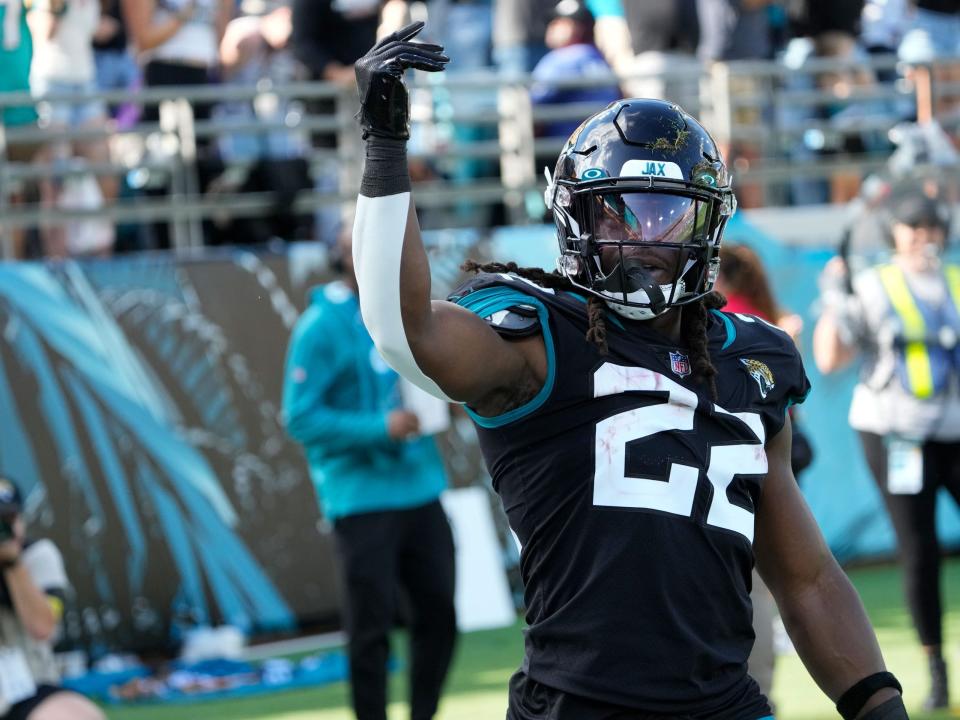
<point x="761" y="111"/>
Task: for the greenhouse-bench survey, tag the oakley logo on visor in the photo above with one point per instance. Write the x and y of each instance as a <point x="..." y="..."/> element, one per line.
<point x="651" y="168"/>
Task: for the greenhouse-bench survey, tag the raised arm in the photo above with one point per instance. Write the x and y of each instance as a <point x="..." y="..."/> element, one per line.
<point x="833" y="342"/>
<point x="441" y="347"/>
<point x="820" y="608"/>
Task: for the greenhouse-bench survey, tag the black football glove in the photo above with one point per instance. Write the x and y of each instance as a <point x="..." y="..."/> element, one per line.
<point x="384" y="104"/>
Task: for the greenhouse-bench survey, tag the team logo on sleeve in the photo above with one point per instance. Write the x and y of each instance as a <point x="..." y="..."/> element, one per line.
<point x="761" y="373"/>
<point x="680" y="364"/>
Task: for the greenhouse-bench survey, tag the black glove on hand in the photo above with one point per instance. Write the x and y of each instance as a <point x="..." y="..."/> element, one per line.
<point x="384" y="104"/>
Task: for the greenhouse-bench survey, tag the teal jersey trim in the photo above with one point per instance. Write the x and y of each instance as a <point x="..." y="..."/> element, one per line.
<point x="731" y="330"/>
<point x="796" y="399"/>
<point x="616" y="321"/>
<point x="609" y="315"/>
<point x="490" y="300"/>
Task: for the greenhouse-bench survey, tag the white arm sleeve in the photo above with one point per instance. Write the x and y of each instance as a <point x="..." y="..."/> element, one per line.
<point x="377" y="248"/>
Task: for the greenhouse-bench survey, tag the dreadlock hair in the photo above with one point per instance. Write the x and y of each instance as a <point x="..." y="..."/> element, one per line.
<point x="693" y="329"/>
<point x="693" y="316"/>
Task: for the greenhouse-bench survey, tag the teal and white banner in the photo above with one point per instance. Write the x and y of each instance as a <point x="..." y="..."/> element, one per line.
<point x="139" y="401"/>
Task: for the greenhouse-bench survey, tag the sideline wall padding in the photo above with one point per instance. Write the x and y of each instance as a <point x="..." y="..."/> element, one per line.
<point x="139" y="399"/>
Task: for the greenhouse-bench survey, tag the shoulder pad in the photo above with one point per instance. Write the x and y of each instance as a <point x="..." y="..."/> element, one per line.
<point x="742" y="329"/>
<point x="481" y="281"/>
<point x="507" y="303"/>
<point x="516" y="321"/>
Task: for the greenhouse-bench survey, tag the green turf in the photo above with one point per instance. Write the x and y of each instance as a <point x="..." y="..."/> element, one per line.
<point x="485" y="661"/>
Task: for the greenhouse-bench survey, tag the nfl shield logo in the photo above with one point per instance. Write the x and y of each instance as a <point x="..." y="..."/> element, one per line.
<point x="680" y="364"/>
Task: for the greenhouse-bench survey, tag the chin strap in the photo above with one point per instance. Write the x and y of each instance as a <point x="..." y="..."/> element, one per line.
<point x="630" y="279"/>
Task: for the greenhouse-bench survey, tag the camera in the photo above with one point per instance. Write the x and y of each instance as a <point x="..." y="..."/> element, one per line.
<point x="10" y="506"/>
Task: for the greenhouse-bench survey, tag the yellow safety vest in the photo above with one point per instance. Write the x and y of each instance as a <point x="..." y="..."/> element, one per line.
<point x="916" y="351"/>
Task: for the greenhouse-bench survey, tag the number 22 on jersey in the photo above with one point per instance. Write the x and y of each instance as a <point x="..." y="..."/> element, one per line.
<point x="612" y="487"/>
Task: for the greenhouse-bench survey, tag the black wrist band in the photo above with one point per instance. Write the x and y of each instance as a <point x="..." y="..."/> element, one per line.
<point x="10" y="564"/>
<point x="853" y="700"/>
<point x="385" y="170"/>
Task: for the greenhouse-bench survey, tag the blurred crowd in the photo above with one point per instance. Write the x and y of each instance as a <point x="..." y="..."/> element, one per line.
<point x="59" y="49"/>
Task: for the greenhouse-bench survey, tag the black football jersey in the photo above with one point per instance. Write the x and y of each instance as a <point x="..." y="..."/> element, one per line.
<point x="633" y="495"/>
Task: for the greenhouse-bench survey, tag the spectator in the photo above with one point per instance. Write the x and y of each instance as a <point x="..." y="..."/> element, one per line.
<point x="740" y="30"/>
<point x="743" y="281"/>
<point x="379" y="484"/>
<point x="734" y="30"/>
<point x="255" y="48"/>
<point x="178" y="41"/>
<point x="664" y="36"/>
<point x="519" y="27"/>
<point x="611" y="34"/>
<point x="116" y="68"/>
<point x="32" y="587"/>
<point x="830" y="30"/>
<point x="882" y="24"/>
<point x="466" y="27"/>
<point x="328" y="37"/>
<point x="16" y="53"/>
<point x="903" y="318"/>
<point x="63" y="64"/>
<point x="572" y="55"/>
<point x="813" y="18"/>
<point x="933" y="35"/>
<point x="933" y="31"/>
<point x="667" y="26"/>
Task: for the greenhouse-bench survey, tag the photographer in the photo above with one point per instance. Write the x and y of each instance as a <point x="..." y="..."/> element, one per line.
<point x="902" y="319"/>
<point x="32" y="585"/>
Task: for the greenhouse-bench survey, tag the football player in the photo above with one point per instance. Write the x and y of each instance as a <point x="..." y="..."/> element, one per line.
<point x="637" y="436"/>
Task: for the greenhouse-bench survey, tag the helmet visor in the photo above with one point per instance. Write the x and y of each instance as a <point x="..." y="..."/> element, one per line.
<point x="649" y="217"/>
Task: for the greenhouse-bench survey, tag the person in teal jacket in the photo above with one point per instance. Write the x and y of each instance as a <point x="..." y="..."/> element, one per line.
<point x="16" y="53"/>
<point x="378" y="483"/>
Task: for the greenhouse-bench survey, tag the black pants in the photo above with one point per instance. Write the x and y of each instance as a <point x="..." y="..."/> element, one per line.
<point x="23" y="709"/>
<point x="161" y="73"/>
<point x="382" y="555"/>
<point x="914" y="521"/>
<point x="531" y="700"/>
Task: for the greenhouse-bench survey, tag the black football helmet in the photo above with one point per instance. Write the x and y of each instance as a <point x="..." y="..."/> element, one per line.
<point x="640" y="180"/>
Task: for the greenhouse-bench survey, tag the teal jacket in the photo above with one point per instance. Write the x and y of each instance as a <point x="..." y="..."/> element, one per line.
<point x="337" y="393"/>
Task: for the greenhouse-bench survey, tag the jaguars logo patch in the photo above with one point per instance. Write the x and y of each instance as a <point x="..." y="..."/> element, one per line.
<point x="761" y="373"/>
